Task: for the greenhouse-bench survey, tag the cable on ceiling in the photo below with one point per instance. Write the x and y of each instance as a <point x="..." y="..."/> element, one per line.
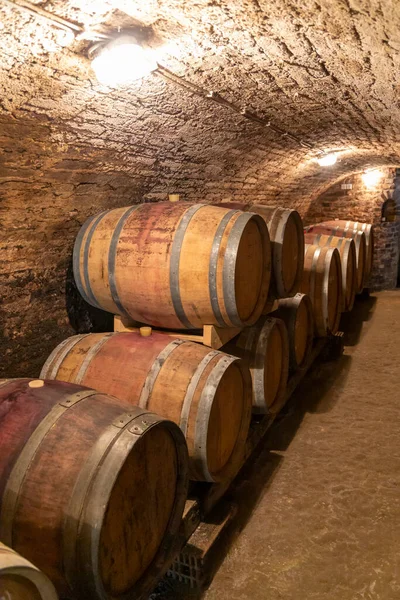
<point x="219" y="99"/>
<point x="35" y="10"/>
<point x="80" y="33"/>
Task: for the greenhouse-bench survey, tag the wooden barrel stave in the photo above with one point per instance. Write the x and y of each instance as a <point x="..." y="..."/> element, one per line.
<point x="297" y="314"/>
<point x="179" y="266"/>
<point x="368" y="230"/>
<point x="348" y="259"/>
<point x="264" y="348"/>
<point x="204" y="391"/>
<point x="69" y="447"/>
<point x="21" y="580"/>
<point x="286" y="232"/>
<point x="285" y="229"/>
<point x="360" y="244"/>
<point x="322" y="282"/>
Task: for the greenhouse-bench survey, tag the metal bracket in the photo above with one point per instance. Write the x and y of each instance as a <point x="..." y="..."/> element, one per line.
<point x="141" y="426"/>
<point x="123" y="420"/>
<point x="74" y="398"/>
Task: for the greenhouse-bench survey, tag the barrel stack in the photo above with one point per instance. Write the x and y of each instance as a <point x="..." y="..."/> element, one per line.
<point x="355" y="226"/>
<point x="359" y="238"/>
<point x="348" y="260"/>
<point x="118" y="422"/>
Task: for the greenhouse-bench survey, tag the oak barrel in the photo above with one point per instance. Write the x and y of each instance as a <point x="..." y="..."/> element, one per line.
<point x="287" y="244"/>
<point x="348" y="259"/>
<point x="264" y="348"/>
<point x="175" y="265"/>
<point x="359" y="241"/>
<point x="297" y="314"/>
<point x="322" y="281"/>
<point x="91" y="489"/>
<point x="204" y="391"/>
<point x="368" y="230"/>
<point x="21" y="580"/>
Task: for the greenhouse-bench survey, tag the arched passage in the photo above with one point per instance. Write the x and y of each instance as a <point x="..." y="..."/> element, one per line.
<point x="352" y="197"/>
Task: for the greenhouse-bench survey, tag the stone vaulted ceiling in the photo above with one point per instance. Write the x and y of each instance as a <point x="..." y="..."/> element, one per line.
<point x="326" y="71"/>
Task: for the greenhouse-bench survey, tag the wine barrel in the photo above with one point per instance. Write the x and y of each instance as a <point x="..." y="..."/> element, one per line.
<point x="368" y="230"/>
<point x="175" y="265"/>
<point x="297" y="314"/>
<point x="264" y="348"/>
<point x="91" y="489"/>
<point x="287" y="243"/>
<point x="348" y="259"/>
<point x="21" y="580"/>
<point x="322" y="281"/>
<point x="359" y="241"/>
<point x="204" y="391"/>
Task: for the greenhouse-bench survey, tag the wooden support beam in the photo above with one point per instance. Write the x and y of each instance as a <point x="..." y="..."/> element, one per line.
<point x="214" y="337"/>
<point x="211" y="336"/>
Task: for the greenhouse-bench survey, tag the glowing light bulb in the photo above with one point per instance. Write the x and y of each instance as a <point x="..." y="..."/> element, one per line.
<point x="327" y="160"/>
<point x="372" y="178"/>
<point x="122" y="61"/>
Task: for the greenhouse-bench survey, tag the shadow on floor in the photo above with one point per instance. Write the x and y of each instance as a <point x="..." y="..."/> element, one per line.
<point x="317" y="393"/>
<point x="352" y="322"/>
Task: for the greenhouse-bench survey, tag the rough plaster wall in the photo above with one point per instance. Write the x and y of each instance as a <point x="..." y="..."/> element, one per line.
<point x="69" y="147"/>
<point x="364" y="204"/>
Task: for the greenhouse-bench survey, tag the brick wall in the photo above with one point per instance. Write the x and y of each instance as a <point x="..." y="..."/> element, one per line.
<point x="70" y="147"/>
<point x="351" y="199"/>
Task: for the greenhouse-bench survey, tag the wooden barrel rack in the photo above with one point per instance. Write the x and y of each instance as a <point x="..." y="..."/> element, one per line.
<point x="203" y="498"/>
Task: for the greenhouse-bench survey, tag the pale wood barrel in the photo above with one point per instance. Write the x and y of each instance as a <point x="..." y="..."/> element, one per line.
<point x="285" y="229"/>
<point x="91" y="489"/>
<point x="348" y="259"/>
<point x="206" y="392"/>
<point x="264" y="348"/>
<point x="322" y="282"/>
<point x="21" y="580"/>
<point x="175" y="265"/>
<point x="359" y="241"/>
<point x="368" y="230"/>
<point x="297" y="314"/>
<point x="287" y="240"/>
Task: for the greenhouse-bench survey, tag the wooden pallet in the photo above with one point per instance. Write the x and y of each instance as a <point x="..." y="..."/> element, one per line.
<point x="211" y="336"/>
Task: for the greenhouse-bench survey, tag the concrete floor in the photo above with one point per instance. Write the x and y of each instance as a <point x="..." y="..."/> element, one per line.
<point x="319" y="510"/>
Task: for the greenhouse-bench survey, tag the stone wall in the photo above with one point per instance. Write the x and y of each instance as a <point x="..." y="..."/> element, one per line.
<point x="351" y="199"/>
<point x="70" y="147"/>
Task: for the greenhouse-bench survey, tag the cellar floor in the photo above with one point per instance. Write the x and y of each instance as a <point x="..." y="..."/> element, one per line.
<point x="319" y="511"/>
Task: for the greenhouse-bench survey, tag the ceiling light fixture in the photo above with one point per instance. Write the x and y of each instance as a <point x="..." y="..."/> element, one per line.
<point x="121" y="61"/>
<point x="327" y="160"/>
<point x="371" y="178"/>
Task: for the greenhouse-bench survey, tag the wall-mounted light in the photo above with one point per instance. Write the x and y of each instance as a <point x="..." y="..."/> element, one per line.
<point x="327" y="160"/>
<point x="121" y="61"/>
<point x="372" y="178"/>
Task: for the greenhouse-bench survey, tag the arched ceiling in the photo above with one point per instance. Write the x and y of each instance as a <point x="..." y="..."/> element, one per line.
<point x="324" y="70"/>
